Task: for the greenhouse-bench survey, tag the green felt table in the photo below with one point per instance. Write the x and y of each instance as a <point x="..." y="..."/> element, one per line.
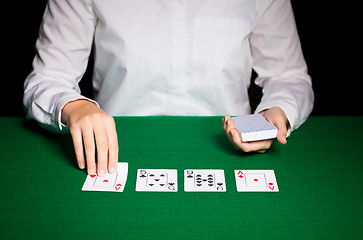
<point x="319" y="173"/>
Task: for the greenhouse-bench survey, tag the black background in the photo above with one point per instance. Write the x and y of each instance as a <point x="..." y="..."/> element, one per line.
<point x="328" y="37"/>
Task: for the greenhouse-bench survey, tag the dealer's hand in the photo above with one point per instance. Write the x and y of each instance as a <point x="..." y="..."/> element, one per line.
<point x="92" y="129"/>
<point x="274" y="115"/>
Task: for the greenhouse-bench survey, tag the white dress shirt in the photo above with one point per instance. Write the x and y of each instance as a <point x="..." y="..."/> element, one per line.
<point x="169" y="57"/>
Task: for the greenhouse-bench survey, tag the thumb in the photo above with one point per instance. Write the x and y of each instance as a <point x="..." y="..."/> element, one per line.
<point x="278" y="118"/>
<point x="281" y="131"/>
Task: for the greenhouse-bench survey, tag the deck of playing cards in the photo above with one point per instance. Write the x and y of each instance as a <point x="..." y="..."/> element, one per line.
<point x="109" y="183"/>
<point x="254" y="127"/>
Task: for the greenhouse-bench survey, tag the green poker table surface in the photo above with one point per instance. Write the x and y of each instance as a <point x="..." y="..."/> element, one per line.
<point x="319" y="174"/>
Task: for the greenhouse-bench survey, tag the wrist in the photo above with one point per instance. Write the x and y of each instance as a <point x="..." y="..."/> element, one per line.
<point x="72" y="106"/>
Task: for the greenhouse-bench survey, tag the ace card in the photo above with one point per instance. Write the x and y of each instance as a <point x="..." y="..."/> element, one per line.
<point x="110" y="182"/>
<point x="204" y="180"/>
<point x="254" y="127"/>
<point x="256" y="181"/>
<point x="157" y="180"/>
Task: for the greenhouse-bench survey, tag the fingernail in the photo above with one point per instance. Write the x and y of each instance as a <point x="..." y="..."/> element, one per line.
<point x="112" y="170"/>
<point x="81" y="166"/>
<point x="91" y="172"/>
<point x="102" y="173"/>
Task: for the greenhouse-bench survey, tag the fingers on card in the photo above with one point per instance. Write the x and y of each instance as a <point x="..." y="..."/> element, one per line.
<point x="157" y="180"/>
<point x="110" y="182"/>
<point x="202" y="180"/>
<point x="256" y="181"/>
<point x="254" y="127"/>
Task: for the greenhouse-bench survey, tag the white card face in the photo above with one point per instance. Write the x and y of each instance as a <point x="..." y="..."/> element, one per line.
<point x="109" y="183"/>
<point x="254" y="127"/>
<point x="157" y="180"/>
<point x="204" y="180"/>
<point x="256" y="181"/>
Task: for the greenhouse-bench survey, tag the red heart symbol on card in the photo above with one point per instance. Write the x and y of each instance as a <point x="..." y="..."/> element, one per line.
<point x="118" y="186"/>
<point x="105" y="180"/>
<point x="272" y="188"/>
<point x="92" y="176"/>
<point x="240" y="176"/>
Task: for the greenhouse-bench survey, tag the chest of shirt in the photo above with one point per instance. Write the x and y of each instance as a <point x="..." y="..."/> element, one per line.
<point x="141" y="22"/>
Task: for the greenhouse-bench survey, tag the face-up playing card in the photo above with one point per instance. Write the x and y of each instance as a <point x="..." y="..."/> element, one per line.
<point x="256" y="181"/>
<point x="254" y="127"/>
<point x="157" y="180"/>
<point x="109" y="183"/>
<point x="203" y="180"/>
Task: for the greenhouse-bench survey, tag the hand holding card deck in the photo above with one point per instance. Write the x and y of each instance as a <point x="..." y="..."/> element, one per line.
<point x="254" y="127"/>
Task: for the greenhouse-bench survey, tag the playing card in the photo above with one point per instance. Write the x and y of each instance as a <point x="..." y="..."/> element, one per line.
<point x="254" y="127"/>
<point x="256" y="181"/>
<point x="157" y="180"/>
<point x="109" y="183"/>
<point x="203" y="180"/>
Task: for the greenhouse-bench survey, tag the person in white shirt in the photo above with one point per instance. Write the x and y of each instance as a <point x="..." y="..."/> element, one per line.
<point x="165" y="57"/>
